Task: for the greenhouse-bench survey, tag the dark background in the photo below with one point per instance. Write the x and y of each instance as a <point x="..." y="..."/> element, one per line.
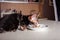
<point x="58" y="8"/>
<point x="48" y="10"/>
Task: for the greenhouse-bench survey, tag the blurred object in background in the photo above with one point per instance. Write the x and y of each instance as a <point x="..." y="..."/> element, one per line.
<point x="33" y="0"/>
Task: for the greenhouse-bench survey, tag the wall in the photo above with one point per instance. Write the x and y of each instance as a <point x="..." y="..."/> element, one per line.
<point x="41" y="10"/>
<point x="25" y="7"/>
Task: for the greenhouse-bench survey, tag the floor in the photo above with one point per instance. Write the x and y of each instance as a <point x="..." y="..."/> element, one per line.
<point x="53" y="33"/>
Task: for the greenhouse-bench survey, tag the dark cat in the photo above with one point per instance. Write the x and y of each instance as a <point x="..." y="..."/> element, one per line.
<point x="9" y="22"/>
